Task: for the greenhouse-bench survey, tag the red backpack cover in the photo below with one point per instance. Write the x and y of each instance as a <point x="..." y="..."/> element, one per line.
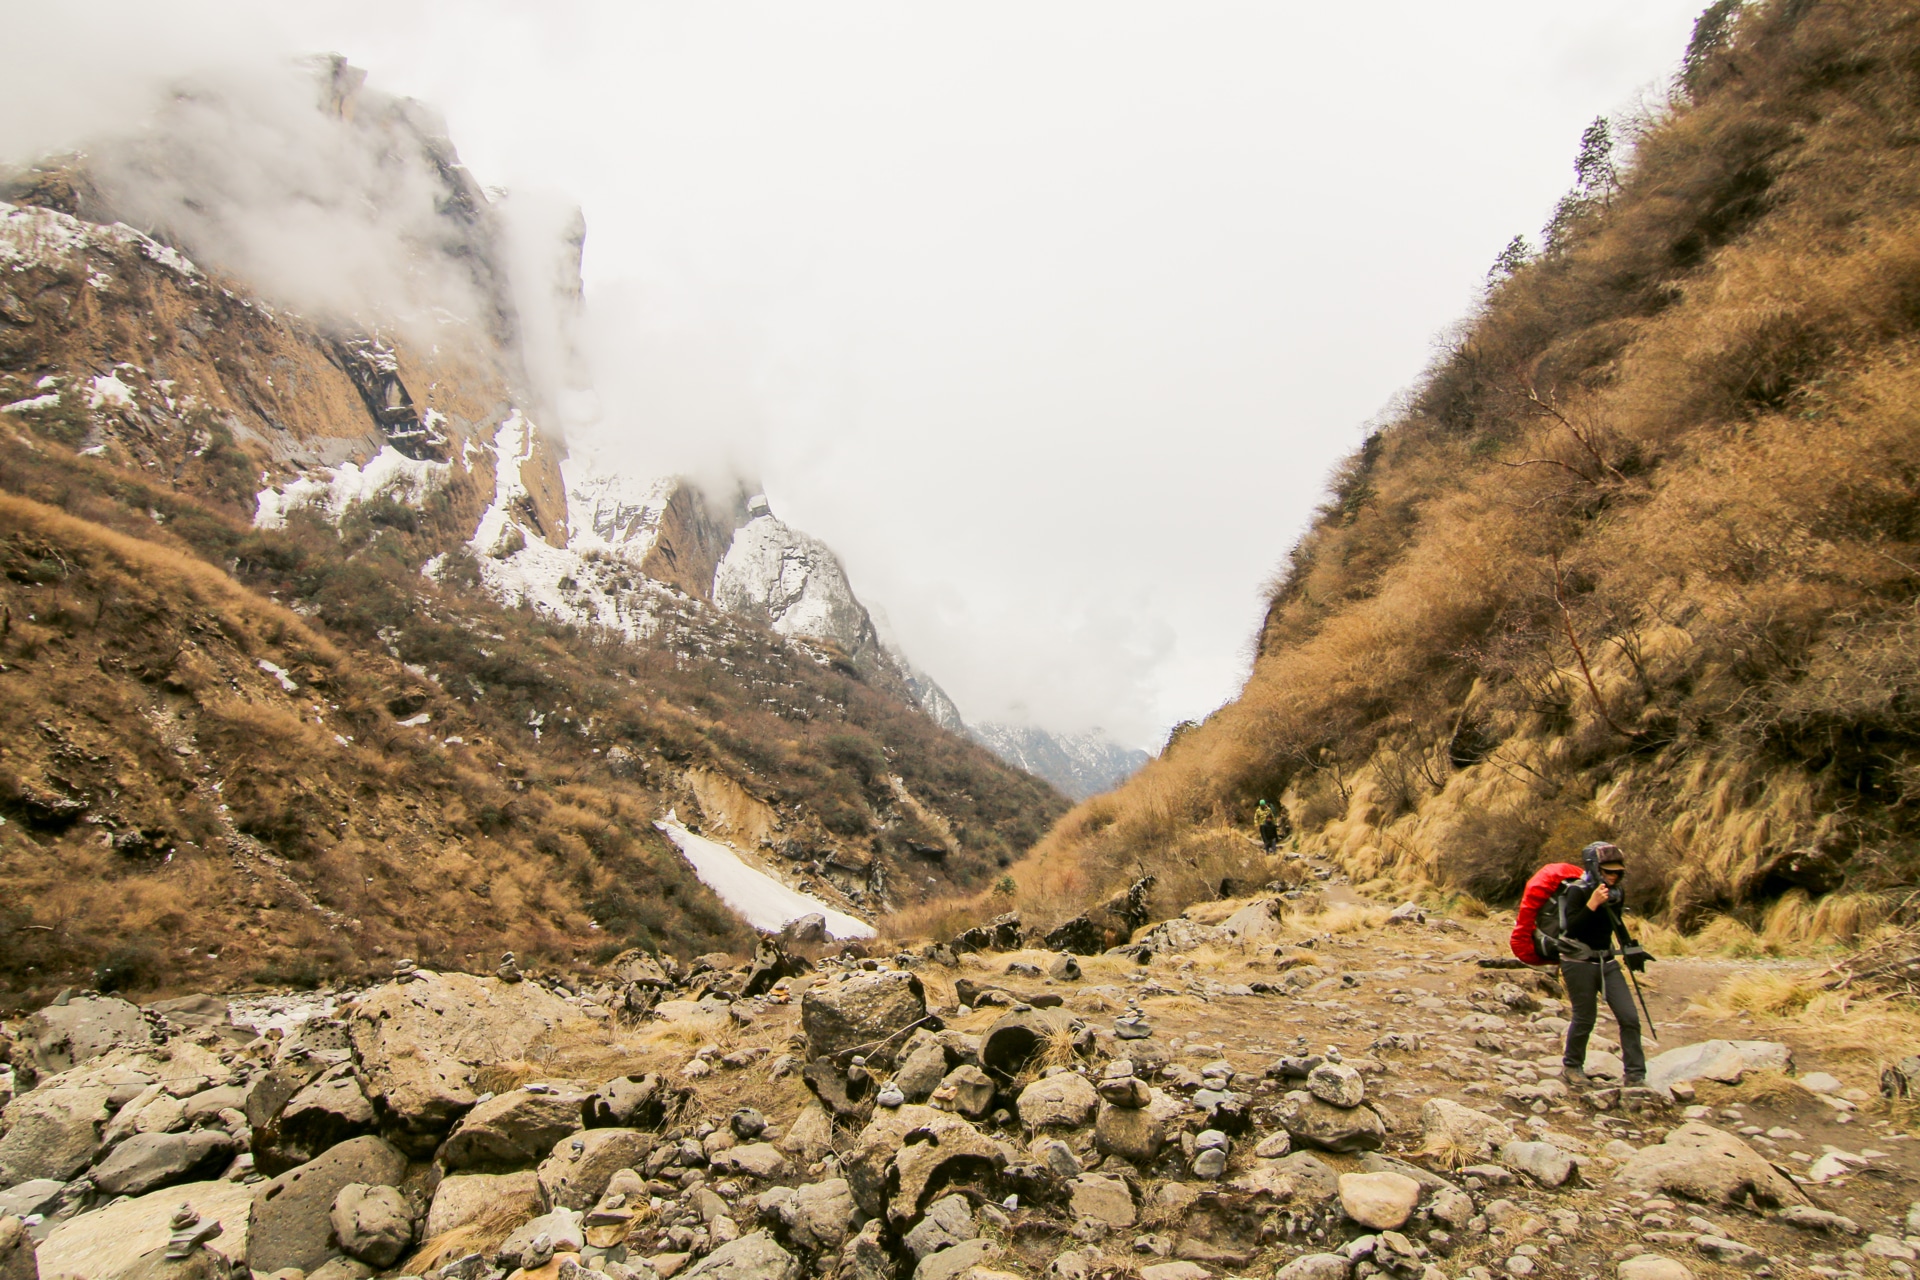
<point x="1545" y="883"/>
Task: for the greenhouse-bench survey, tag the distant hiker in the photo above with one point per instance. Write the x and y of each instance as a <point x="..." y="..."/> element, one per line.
<point x="1268" y="820"/>
<point x="1572" y="915"/>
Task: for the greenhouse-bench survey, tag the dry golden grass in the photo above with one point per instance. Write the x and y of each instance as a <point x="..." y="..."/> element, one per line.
<point x="484" y="1234"/>
<point x="1833" y="1022"/>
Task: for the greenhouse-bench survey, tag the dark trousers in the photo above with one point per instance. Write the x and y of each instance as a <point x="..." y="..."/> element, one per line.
<point x="1270" y="835"/>
<point x="1584" y="983"/>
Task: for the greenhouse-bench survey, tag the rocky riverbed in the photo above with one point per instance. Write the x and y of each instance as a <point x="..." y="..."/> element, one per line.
<point x="1246" y="1091"/>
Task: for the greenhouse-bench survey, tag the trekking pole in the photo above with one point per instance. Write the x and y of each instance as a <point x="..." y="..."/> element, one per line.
<point x="1634" y="979"/>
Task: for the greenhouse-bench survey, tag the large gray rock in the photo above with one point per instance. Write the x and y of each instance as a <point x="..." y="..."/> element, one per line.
<point x="515" y="1130"/>
<point x="324" y="1114"/>
<point x="563" y="1228"/>
<point x="627" y="1102"/>
<point x="1317" y="1266"/>
<point x="1460" y="1135"/>
<point x="1137" y="1133"/>
<point x="1065" y="1099"/>
<point x="1702" y="1163"/>
<point x="1314" y="1123"/>
<point x="64" y="1036"/>
<point x="966" y="1089"/>
<point x="467" y="1197"/>
<point x="756" y="1159"/>
<point x="1379" y="1201"/>
<point x="419" y="1041"/>
<point x="954" y="1263"/>
<point x="290" y="1225"/>
<point x="373" y="1224"/>
<point x="1545" y="1163"/>
<point x="576" y="1174"/>
<point x="948" y="1222"/>
<point x="867" y="1013"/>
<point x="923" y="1064"/>
<point x="1104" y="1198"/>
<point x="751" y="1257"/>
<point x="35" y="1195"/>
<point x="148" y="1161"/>
<point x="891" y="1176"/>
<point x="1298" y="1178"/>
<point x="1338" y="1084"/>
<point x="107" y="1241"/>
<point x="17" y="1258"/>
<point x="817" y="1217"/>
<point x="1722" y="1060"/>
<point x="53" y="1131"/>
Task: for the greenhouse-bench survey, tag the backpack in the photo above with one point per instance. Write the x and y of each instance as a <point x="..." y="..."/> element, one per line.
<point x="1536" y="936"/>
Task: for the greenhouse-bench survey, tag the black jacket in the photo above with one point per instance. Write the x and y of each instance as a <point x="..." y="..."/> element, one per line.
<point x="1594" y="929"/>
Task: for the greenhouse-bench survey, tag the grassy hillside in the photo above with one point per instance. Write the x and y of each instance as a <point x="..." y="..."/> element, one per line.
<point x="1640" y="558"/>
<point x="238" y="754"/>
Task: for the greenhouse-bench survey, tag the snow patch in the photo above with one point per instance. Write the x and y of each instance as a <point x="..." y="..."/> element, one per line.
<point x="388" y="473"/>
<point x="107" y="389"/>
<point x="37" y="402"/>
<point x="414" y="722"/>
<point x="279" y="673"/>
<point x="31" y="236"/>
<point x="753" y="895"/>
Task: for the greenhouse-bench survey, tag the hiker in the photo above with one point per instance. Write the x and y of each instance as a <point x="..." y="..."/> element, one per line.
<point x="1589" y="918"/>
<point x="1269" y="824"/>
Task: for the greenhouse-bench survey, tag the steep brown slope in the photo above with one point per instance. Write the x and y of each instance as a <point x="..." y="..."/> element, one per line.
<point x="275" y="750"/>
<point x="1639" y="560"/>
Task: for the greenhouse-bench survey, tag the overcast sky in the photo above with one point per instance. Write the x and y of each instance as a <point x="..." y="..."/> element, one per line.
<point x="1050" y="317"/>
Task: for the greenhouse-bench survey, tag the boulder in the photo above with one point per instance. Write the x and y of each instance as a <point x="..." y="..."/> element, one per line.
<point x="1017" y="1040"/>
<point x="1460" y="1135"/>
<point x="1545" y="1163"/>
<point x="1102" y="1197"/>
<point x="200" y="1264"/>
<point x="756" y="1159"/>
<point x="804" y="930"/>
<point x="1702" y="1163"/>
<point x="1722" y="1060"/>
<point x="1295" y="1179"/>
<point x="817" y="1217"/>
<point x="290" y="1226"/>
<point x="147" y="1161"/>
<point x="889" y="1174"/>
<point x="1062" y="1100"/>
<point x="627" y="1102"/>
<point x="1256" y="923"/>
<point x="576" y="1173"/>
<point x="964" y="1259"/>
<point x="323" y="1114"/>
<point x="1337" y="1084"/>
<point x="17" y="1258"/>
<point x="514" y="1130"/>
<point x="371" y="1223"/>
<point x="967" y="1089"/>
<point x="418" y="1041"/>
<point x="466" y="1197"/>
<point x="1316" y="1266"/>
<point x="868" y="1013"/>
<point x="1315" y="1123"/>
<point x="923" y="1064"/>
<point x="751" y="1257"/>
<point x="1136" y="1133"/>
<point x="564" y="1229"/>
<point x="948" y="1222"/>
<point x="1652" y="1266"/>
<point x="35" y="1195"/>
<point x="810" y="1136"/>
<point x="53" y="1131"/>
<point x="1379" y="1201"/>
<point x="109" y="1240"/>
<point x="62" y="1036"/>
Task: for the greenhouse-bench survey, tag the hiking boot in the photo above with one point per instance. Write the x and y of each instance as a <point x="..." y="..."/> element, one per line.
<point x="1575" y="1077"/>
<point x="1636" y="1082"/>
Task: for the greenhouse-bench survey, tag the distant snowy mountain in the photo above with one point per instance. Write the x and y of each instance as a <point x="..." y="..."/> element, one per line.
<point x="1078" y="764"/>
